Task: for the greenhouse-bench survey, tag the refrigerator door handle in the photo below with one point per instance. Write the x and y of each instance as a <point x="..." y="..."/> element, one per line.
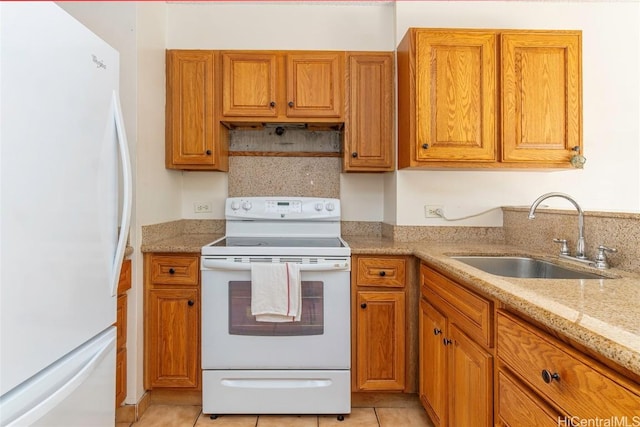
<point x="125" y="221"/>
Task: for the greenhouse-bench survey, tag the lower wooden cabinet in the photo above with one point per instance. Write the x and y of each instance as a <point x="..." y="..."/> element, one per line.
<point x="456" y="371"/>
<point x="550" y="374"/>
<point x="379" y="323"/>
<point x="172" y="321"/>
<point x="124" y="284"/>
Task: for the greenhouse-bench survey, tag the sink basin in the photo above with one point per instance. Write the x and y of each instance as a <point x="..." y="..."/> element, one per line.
<point x="523" y="267"/>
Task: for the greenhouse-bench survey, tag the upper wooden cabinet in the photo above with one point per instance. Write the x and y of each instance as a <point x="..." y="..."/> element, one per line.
<point x="462" y="105"/>
<point x="541" y="90"/>
<point x="282" y="86"/>
<point x="194" y="138"/>
<point x="368" y="131"/>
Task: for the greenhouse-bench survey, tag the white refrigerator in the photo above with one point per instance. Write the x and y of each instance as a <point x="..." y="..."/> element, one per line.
<point x="65" y="191"/>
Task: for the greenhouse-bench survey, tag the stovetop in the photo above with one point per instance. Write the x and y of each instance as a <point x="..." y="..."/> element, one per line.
<point x="280" y="226"/>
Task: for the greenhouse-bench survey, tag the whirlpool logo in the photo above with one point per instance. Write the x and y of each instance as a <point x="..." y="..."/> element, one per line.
<point x="99" y="63"/>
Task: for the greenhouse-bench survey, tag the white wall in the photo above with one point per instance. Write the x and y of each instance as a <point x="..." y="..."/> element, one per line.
<point x="283" y="26"/>
<point x="611" y="99"/>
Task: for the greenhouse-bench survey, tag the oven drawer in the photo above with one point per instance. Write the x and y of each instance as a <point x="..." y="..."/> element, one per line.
<point x="276" y="392"/>
<point x="381" y="271"/>
<point x="174" y="269"/>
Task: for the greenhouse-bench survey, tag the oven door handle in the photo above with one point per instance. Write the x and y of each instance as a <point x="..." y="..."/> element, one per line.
<point x="237" y="266"/>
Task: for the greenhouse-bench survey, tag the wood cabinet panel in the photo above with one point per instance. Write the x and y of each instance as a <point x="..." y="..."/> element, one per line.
<point x="469" y="311"/>
<point x="541" y="96"/>
<point x="381" y="340"/>
<point x="175" y="269"/>
<point x="174" y="337"/>
<point x="456" y="369"/>
<point x="124" y="284"/>
<point x="285" y="86"/>
<point x="194" y="137"/>
<point x="172" y="321"/>
<point x="455" y="95"/>
<point x="471" y="381"/>
<point x="530" y="353"/>
<point x="463" y="105"/>
<point x="315" y="84"/>
<point x="121" y="376"/>
<point x="368" y="131"/>
<point x="433" y="363"/>
<point x="249" y="84"/>
<point x="380" y="271"/>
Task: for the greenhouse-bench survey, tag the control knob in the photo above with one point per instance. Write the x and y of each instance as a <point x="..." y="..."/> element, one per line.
<point x="330" y="206"/>
<point x="246" y="205"/>
<point x="235" y="206"/>
<point x="319" y="206"/>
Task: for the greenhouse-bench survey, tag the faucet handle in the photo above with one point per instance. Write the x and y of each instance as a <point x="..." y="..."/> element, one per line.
<point x="564" y="249"/>
<point x="601" y="257"/>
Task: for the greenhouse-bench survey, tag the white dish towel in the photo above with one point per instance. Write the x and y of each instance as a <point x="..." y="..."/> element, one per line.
<point x="275" y="292"/>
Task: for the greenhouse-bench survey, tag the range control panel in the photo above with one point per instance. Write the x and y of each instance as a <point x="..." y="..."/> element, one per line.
<point x="294" y="208"/>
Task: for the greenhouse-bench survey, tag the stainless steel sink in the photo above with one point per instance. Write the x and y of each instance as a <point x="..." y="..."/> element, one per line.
<point x="523" y="267"/>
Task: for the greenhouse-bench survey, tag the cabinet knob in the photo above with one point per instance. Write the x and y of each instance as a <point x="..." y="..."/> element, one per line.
<point x="363" y="305"/>
<point x="446" y="341"/>
<point x="576" y="148"/>
<point x="272" y="104"/>
<point x="172" y="271"/>
<point x="547" y="376"/>
<point x="291" y="104"/>
<point x="190" y="302"/>
<point x="382" y="273"/>
<point x="208" y="152"/>
<point x="425" y="146"/>
<point x="437" y="331"/>
<point x="354" y="154"/>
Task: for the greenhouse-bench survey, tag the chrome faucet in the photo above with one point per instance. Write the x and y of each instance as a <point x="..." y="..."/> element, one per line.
<point x="580" y="245"/>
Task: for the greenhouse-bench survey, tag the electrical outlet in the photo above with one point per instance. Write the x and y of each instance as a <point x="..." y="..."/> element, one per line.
<point x="431" y="211"/>
<point x="202" y="207"/>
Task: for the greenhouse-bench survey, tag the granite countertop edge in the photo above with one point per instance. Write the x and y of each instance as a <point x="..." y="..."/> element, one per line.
<point x="578" y="319"/>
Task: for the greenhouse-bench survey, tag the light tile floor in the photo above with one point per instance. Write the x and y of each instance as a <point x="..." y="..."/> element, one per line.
<point x="374" y="411"/>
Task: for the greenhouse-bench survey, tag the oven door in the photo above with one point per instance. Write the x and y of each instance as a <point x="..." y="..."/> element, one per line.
<point x="233" y="339"/>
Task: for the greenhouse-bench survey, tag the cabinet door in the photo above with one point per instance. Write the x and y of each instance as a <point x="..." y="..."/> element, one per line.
<point x="542" y="96"/>
<point x="380" y="340"/>
<point x="190" y="129"/>
<point x="433" y="363"/>
<point x="456" y="95"/>
<point x="315" y="84"/>
<point x="368" y="131"/>
<point x="470" y="381"/>
<point x="174" y="336"/>
<point x="249" y="84"/>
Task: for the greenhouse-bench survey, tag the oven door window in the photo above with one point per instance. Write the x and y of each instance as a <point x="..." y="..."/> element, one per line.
<point x="242" y="322"/>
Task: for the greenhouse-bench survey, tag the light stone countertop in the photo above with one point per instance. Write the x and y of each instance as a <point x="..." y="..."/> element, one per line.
<point x="602" y="315"/>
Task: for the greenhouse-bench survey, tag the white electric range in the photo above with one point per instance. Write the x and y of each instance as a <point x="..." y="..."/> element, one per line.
<point x="300" y="367"/>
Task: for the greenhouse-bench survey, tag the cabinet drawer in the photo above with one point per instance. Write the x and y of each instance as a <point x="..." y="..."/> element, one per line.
<point x="175" y="269"/>
<point x="124" y="281"/>
<point x="470" y="312"/>
<point x="519" y="407"/>
<point x="380" y="271"/>
<point x="583" y="388"/>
